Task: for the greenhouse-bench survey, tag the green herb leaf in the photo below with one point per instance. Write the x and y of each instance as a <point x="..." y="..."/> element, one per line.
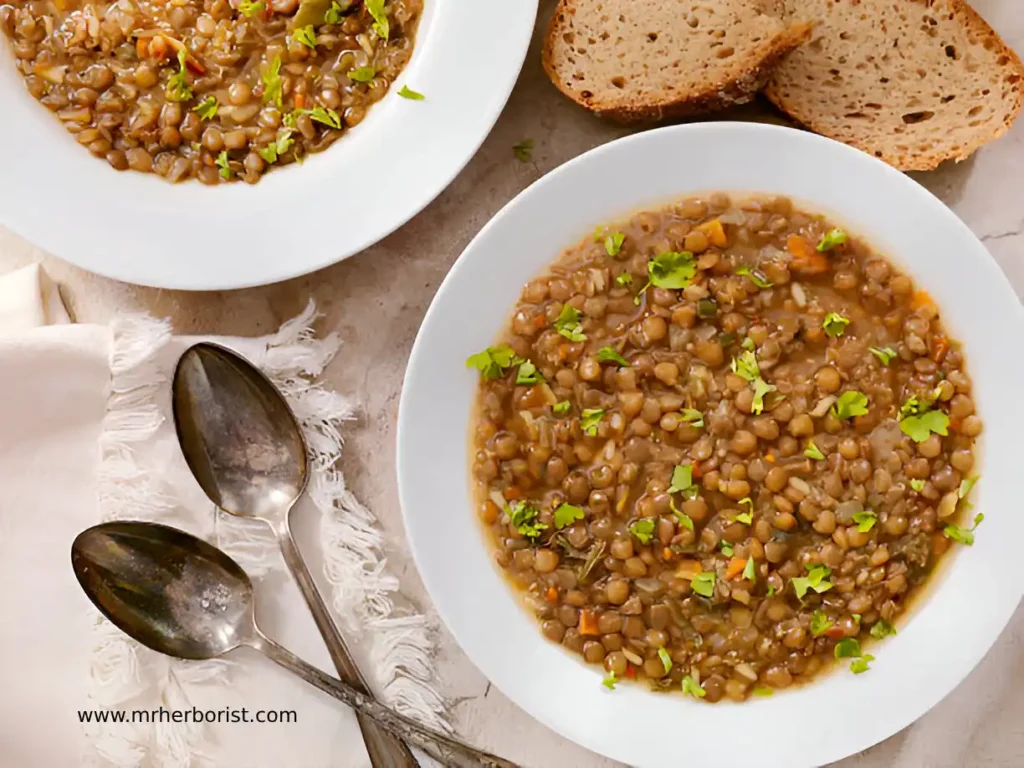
<point x="834" y="324"/>
<point x="380" y="18"/>
<point x="272" y="82"/>
<point x="832" y="240"/>
<point x="748" y="344"/>
<point x="693" y="417"/>
<point x="673" y="270"/>
<point x="408" y="93"/>
<point x="567" y="514"/>
<point x="610" y="681"/>
<point x="178" y="88"/>
<point x="276" y="148"/>
<point x="704" y="583"/>
<point x="493" y="361"/>
<point x="222" y="162"/>
<point x="682" y="479"/>
<point x="250" y="9"/>
<point x="666" y="660"/>
<point x="815" y="580"/>
<point x="865" y="520"/>
<point x="609" y="355"/>
<point x="882" y="629"/>
<point x="847" y="648"/>
<point x="745" y="366"/>
<point x="771" y="591"/>
<point x="963" y="535"/>
<point x="763" y="690"/>
<point x="684" y="519"/>
<point x="693" y="688"/>
<point x="207" y="108"/>
<point x="820" y="623"/>
<point x="919" y="428"/>
<point x="917" y="485"/>
<point x="885" y="354"/>
<point x="643" y="529"/>
<point x="851" y="403"/>
<point x="755" y="277"/>
<point x="749" y="570"/>
<point x="528" y="374"/>
<point x="859" y="666"/>
<point x="305" y="36"/>
<point x="613" y="243"/>
<point x="813" y="452"/>
<point x="523" y="516"/>
<point x="568" y="324"/>
<point x="761" y="388"/>
<point x="362" y="74"/>
<point x="624" y="279"/>
<point x="589" y="420"/>
<point x="966" y="485"/>
<point x="523" y="150"/>
<point x="561" y="408"/>
<point x="856" y="617"/>
<point x="707" y="308"/>
<point x="336" y="13"/>
<point x="727" y="548"/>
<point x="745" y="517"/>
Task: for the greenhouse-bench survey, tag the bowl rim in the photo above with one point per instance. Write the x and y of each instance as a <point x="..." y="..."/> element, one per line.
<point x="405" y="153"/>
<point x="419" y="488"/>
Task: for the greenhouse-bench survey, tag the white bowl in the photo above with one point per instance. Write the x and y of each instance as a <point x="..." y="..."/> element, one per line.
<point x="297" y="219"/>
<point x="954" y="623"/>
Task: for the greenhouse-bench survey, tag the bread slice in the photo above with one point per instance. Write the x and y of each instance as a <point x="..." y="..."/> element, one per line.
<point x="643" y="60"/>
<point x="913" y="82"/>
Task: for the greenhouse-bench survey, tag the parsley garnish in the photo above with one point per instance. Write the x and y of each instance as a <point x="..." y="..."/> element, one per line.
<point x="684" y="519"/>
<point x="966" y="485"/>
<point x="834" y="324"/>
<point x="362" y="74"/>
<point x="272" y="83"/>
<point x="672" y="269"/>
<point x="276" y="148"/>
<point x="831" y="240"/>
<point x="523" y="150"/>
<point x="609" y="355"/>
<point x="561" y="408"/>
<point x="610" y="681"/>
<point x="207" y="108"/>
<point x="755" y="277"/>
<point x="223" y="163"/>
<point x="589" y="420"/>
<point x="380" y="18"/>
<point x="336" y="14"/>
<point x="918" y="420"/>
<point x="748" y="344"/>
<point x="493" y="361"/>
<point x="693" y="688"/>
<point x="851" y="403"/>
<point x="963" y="535"/>
<point x="178" y="88"/>
<point x="624" y="279"/>
<point x="704" y="583"/>
<point x="745" y="366"/>
<point x="567" y="514"/>
<point x="771" y="591"/>
<point x="815" y="580"/>
<point x="847" y="648"/>
<point x="858" y="666"/>
<point x="528" y="374"/>
<point x="666" y="660"/>
<point x="882" y="629"/>
<point x="249" y="8"/>
<point x="885" y="354"/>
<point x="613" y="243"/>
<point x="523" y="517"/>
<point x="865" y="520"/>
<point x="727" y="548"/>
<point x="643" y="529"/>
<point x="693" y="417"/>
<point x="408" y="93"/>
<point x="917" y="485"/>
<point x="749" y="572"/>
<point x="682" y="481"/>
<point x="306" y="36"/>
<point x="813" y="452"/>
<point x="820" y="623"/>
<point x="763" y="690"/>
<point x="568" y="324"/>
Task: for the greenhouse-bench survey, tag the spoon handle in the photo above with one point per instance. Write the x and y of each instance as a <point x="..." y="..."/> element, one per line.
<point x="384" y="749"/>
<point x="445" y="749"/>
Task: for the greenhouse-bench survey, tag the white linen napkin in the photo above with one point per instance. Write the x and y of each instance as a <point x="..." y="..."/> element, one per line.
<point x="85" y="436"/>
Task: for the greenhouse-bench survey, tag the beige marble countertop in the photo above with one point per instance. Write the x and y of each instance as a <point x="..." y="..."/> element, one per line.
<point x="377" y="299"/>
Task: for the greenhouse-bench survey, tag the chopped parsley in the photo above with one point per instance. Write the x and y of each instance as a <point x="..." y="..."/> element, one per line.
<point x="250" y="8"/>
<point x="834" y="324"/>
<point x="693" y="688"/>
<point x="528" y="374"/>
<point x="684" y="519"/>
<point x="380" y="18"/>
<point x="745" y="366"/>
<point x="613" y="243"/>
<point x="643" y="529"/>
<point x="707" y="308"/>
<point x="178" y="88"/>
<point x="693" y="417"/>
<point x="682" y="480"/>
<point x="761" y="388"/>
<point x="851" y="403"/>
<point x="223" y="163"/>
<point x="858" y="666"/>
<point x="832" y="240"/>
<point x="567" y="514"/>
<point x="408" y="93"/>
<point x="745" y="517"/>
<point x="523" y="516"/>
<point x="561" y="408"/>
<point x="305" y="36"/>
<point x="624" y="279"/>
<point x="493" y="362"/>
<point x="847" y="648"/>
<point x="362" y="74"/>
<point x="336" y="13"/>
<point x="815" y="579"/>
<point x="272" y="82"/>
<point x="763" y="690"/>
<point x="672" y="270"/>
<point x="749" y="572"/>
<point x="609" y="355"/>
<point x="207" y="108"/>
<point x="755" y="277"/>
<point x="589" y="420"/>
<point x="918" y="420"/>
<point x="885" y="354"/>
<point x="963" y="535"/>
<point x="523" y="150"/>
<point x="771" y="591"/>
<point x="882" y="629"/>
<point x="813" y="452"/>
<point x="666" y="660"/>
<point x="727" y="548"/>
<point x="865" y="520"/>
<point x="610" y="681"/>
<point x="917" y="485"/>
<point x="704" y="583"/>
<point x="276" y="148"/>
<point x="568" y="324"/>
<point x="820" y="623"/>
<point x="966" y="485"/>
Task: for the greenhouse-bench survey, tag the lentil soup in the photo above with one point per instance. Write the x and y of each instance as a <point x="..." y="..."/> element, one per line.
<point x="721" y="445"/>
<point x="217" y="90"/>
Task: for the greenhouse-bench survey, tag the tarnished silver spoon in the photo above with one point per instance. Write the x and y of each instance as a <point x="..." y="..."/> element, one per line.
<point x="182" y="597"/>
<point x="245" y="447"/>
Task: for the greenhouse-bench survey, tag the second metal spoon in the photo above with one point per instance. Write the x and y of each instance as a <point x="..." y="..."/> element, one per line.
<point x="245" y="447"/>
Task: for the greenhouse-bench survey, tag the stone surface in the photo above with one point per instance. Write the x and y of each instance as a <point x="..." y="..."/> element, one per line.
<point x="377" y="299"/>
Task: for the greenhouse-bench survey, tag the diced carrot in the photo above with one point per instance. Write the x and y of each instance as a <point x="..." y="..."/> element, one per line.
<point x="687" y="569"/>
<point x="696" y="473"/>
<point x="300" y="103"/>
<point x="588" y="623"/>
<point x="806" y="260"/>
<point x="835" y="633"/>
<point x="940" y="348"/>
<point x="715" y="233"/>
<point x="158" y="47"/>
<point x="512" y="493"/>
<point x="735" y="567"/>
<point x="551" y="595"/>
<point x="142" y="47"/>
<point x="667" y="554"/>
<point x="540" y="320"/>
<point x="630" y="672"/>
<point x="955" y="423"/>
<point x="921" y="299"/>
<point x="770" y="458"/>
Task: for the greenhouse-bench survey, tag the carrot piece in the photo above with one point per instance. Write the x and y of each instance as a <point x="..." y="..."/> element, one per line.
<point x="667" y="554"/>
<point x="806" y="260"/>
<point x="687" y="569"/>
<point x="588" y="623"/>
<point x="142" y="47"/>
<point x="770" y="458"/>
<point x="540" y="320"/>
<point x="551" y="595"/>
<point x="696" y="473"/>
<point x="158" y="47"/>
<point x="940" y="348"/>
<point x="630" y="672"/>
<point x="955" y="423"/>
<point x="921" y="299"/>
<point x="835" y="633"/>
<point x="300" y="103"/>
<point x="512" y="493"/>
<point x="735" y="567"/>
<point x="715" y="233"/>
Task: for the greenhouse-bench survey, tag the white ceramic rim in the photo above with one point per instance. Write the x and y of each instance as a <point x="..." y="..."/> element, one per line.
<point x="954" y="623"/>
<point x="140" y="229"/>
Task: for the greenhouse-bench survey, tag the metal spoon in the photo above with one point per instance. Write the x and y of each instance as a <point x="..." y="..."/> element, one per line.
<point x="180" y="596"/>
<point x="244" y="446"/>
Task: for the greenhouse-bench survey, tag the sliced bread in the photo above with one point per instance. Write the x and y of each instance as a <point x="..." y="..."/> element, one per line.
<point x="913" y="82"/>
<point x="643" y="60"/>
